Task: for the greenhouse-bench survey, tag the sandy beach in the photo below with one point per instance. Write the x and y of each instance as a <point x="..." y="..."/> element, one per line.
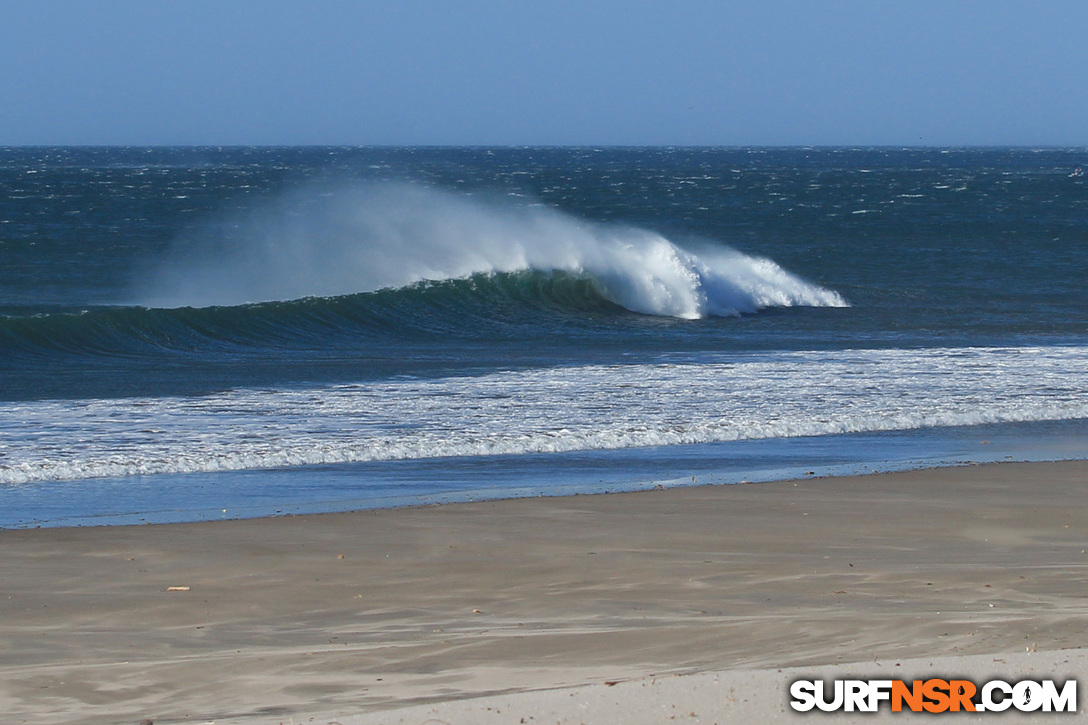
<point x="411" y="615"/>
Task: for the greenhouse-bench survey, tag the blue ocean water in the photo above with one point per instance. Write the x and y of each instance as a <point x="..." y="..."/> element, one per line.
<point x="192" y="333"/>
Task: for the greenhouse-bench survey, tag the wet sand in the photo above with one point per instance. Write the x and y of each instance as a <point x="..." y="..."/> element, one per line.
<point x="352" y="617"/>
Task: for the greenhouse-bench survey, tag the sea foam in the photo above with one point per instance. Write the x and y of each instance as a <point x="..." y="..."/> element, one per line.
<point x="547" y="410"/>
<point x="336" y="241"/>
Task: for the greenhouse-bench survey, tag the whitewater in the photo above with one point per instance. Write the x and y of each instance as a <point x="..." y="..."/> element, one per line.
<point x="542" y="411"/>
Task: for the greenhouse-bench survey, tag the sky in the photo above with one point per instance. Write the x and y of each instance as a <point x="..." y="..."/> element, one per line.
<point x="549" y="72"/>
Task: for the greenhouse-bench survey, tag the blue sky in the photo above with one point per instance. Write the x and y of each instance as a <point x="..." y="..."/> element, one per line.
<point x="502" y="72"/>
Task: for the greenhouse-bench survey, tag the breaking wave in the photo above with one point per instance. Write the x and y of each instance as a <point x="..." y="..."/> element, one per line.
<point x="343" y="241"/>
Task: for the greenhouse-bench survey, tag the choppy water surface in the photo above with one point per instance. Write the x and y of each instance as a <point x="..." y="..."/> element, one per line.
<point x="174" y="318"/>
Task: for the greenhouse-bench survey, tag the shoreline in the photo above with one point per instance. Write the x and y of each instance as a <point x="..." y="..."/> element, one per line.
<point x="273" y="619"/>
<point x="352" y="487"/>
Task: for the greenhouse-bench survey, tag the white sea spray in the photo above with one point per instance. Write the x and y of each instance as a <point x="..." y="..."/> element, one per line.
<point x="322" y="242"/>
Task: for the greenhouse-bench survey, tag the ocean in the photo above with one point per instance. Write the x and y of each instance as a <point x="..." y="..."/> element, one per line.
<point x="204" y="333"/>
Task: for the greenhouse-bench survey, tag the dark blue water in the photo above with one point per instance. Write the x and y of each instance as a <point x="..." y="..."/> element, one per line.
<point x="222" y="313"/>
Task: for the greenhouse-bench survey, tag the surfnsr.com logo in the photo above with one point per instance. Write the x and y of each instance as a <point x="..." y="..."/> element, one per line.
<point x="934" y="695"/>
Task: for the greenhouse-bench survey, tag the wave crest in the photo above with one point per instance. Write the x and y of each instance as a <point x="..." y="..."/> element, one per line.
<point x="326" y="243"/>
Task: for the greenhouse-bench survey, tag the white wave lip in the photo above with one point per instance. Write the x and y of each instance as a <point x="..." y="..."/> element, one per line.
<point x="362" y="239"/>
<point x="549" y="410"/>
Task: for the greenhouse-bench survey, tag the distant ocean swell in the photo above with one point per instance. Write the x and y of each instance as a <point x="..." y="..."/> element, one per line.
<point x="747" y="396"/>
